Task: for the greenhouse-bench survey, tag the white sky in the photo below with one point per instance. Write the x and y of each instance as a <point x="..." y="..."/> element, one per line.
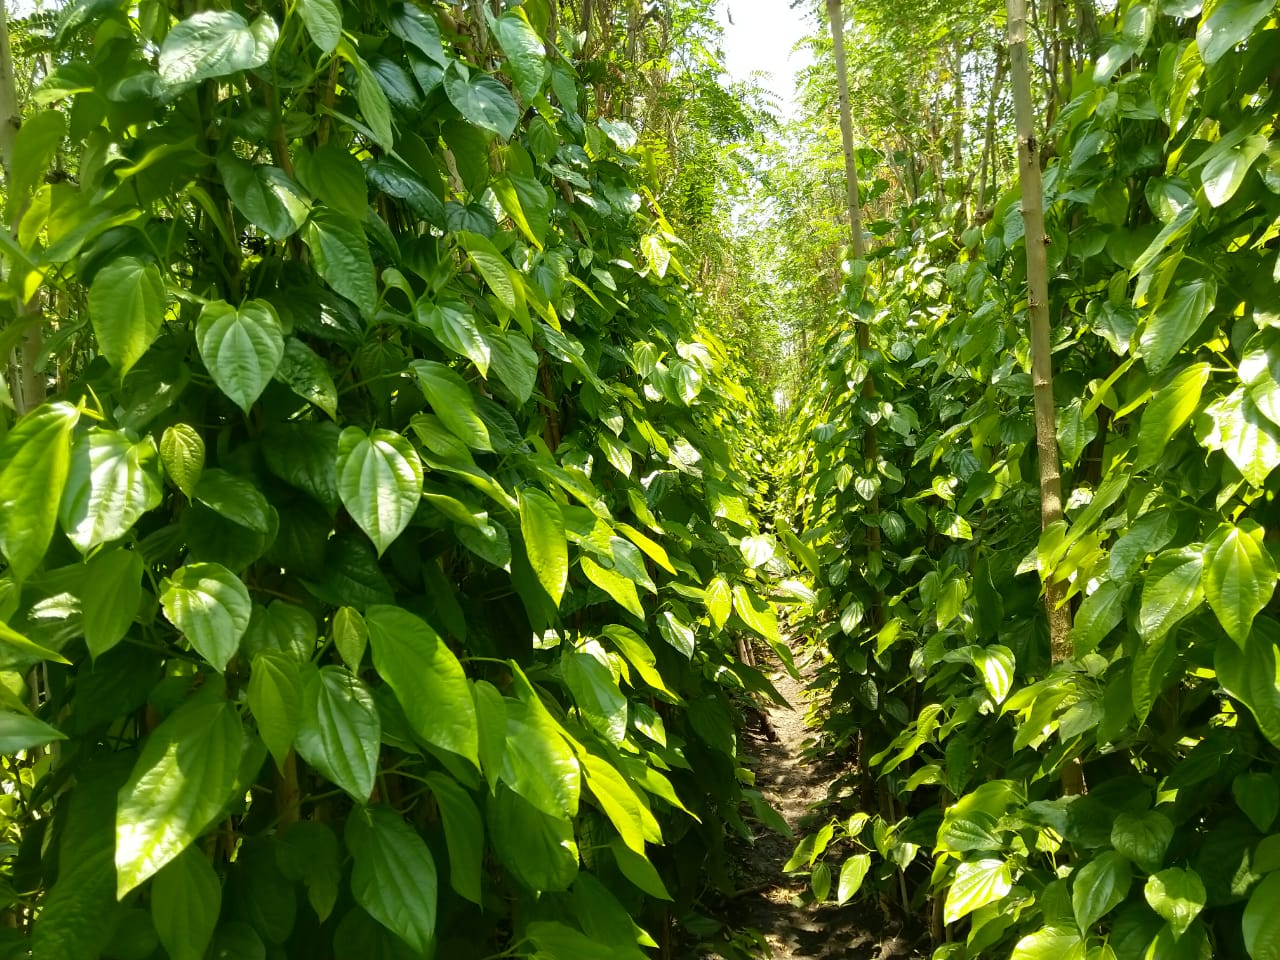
<point x="760" y="38"/>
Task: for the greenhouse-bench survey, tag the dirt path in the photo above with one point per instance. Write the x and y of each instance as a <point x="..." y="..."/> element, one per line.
<point x="793" y="782"/>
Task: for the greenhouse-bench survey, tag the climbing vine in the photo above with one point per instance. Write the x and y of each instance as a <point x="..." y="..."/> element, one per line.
<point x="375" y="521"/>
<point x="1161" y="205"/>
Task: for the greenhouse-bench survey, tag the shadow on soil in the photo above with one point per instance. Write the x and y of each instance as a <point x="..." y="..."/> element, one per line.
<point x="771" y="901"/>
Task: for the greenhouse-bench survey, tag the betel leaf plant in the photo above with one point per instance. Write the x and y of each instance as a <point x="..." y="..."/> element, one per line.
<point x="374" y="552"/>
<point x="1161" y="204"/>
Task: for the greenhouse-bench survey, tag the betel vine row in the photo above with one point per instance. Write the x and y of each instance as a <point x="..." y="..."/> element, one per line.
<point x="376" y="530"/>
<point x="1162" y="198"/>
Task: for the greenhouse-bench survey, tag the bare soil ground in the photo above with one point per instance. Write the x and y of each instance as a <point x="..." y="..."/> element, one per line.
<point x="772" y="903"/>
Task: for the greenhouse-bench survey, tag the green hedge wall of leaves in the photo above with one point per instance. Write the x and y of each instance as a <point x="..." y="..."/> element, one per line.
<point x="372" y="572"/>
<point x="1162" y="208"/>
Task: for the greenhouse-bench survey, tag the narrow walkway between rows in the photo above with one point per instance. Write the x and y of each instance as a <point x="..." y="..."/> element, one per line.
<point x="772" y="902"/>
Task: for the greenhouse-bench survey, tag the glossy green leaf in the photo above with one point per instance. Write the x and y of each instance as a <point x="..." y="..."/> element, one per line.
<point x="1168" y="411"/>
<point x="35" y="144"/>
<point x="514" y="362"/>
<point x="127" y="306"/>
<point x="213" y="43"/>
<point x="1143" y="838"/>
<point x="324" y="22"/>
<point x="1239" y="576"/>
<point x="802" y="550"/>
<point x="309" y="854"/>
<point x="340" y="733"/>
<point x="111" y="483"/>
<point x="268" y="198"/>
<point x="1230" y="22"/>
<point x="282" y="628"/>
<point x="15" y="649"/>
<point x="341" y="255"/>
<point x="638" y="870"/>
<point x="852" y="873"/>
<point x="615" y="797"/>
<point x="537" y="849"/>
<point x="481" y="100"/>
<point x="427" y="679"/>
<point x="394" y="875"/>
<point x="1075" y="430"/>
<point x="236" y="499"/>
<point x="1099" y="614"/>
<point x="374" y="106"/>
<point x="556" y="940"/>
<point x="1050" y="943"/>
<point x="656" y="254"/>
<point x="1261" y="924"/>
<point x="380" y="482"/>
<point x="595" y="691"/>
<point x="755" y="612"/>
<point x="463" y="834"/>
<point x="820" y="882"/>
<point x="1172" y="590"/>
<point x="81" y="902"/>
<point x="632" y="646"/>
<point x="275" y="698"/>
<point x="1258" y="795"/>
<point x="976" y="884"/>
<point x="110" y="597"/>
<point x="183" y="776"/>
<point x="21" y="732"/>
<point x="35" y="459"/>
<point x="306" y="374"/>
<point x="350" y="636"/>
<point x="1177" y="895"/>
<point x="538" y="763"/>
<point x="620" y="588"/>
<point x="1251" y="676"/>
<point x="417" y="28"/>
<point x="453" y="402"/>
<point x="526" y="56"/>
<point x="1248" y="438"/>
<point x="1260" y="370"/>
<point x="186" y="899"/>
<point x="182" y="453"/>
<point x="719" y="601"/>
<point x="542" y="526"/>
<point x="242" y="348"/>
<point x="395" y="179"/>
<point x="1175" y="319"/>
<point x="333" y="175"/>
<point x="1099" y="887"/>
<point x="1225" y="172"/>
<point x="305" y="455"/>
<point x="972" y="832"/>
<point x="457" y="330"/>
<point x="211" y="607"/>
<point x="678" y="635"/>
<point x="996" y="666"/>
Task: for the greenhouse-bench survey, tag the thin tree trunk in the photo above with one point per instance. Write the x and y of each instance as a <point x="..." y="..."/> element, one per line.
<point x="989" y="140"/>
<point x="858" y="251"/>
<point x="857" y="243"/>
<point x="957" y="129"/>
<point x="1059" y="614"/>
<point x="588" y="15"/>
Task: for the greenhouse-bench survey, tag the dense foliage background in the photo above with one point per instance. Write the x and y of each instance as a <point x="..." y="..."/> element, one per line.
<point x="415" y="413"/>
<point x="374" y="524"/>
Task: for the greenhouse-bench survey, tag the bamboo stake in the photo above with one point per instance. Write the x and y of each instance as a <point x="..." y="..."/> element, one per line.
<point x="1029" y="177"/>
